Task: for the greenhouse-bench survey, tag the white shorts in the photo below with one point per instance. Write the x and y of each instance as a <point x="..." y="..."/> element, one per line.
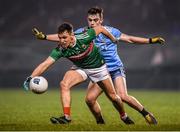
<point x="80" y="71"/>
<point x="95" y="74"/>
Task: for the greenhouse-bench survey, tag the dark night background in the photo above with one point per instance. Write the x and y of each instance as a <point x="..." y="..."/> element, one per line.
<point x="147" y="66"/>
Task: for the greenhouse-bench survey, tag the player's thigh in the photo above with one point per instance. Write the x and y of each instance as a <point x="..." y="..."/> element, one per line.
<point x="93" y="91"/>
<point x="120" y="85"/>
<point x="107" y="86"/>
<point x="72" y="77"/>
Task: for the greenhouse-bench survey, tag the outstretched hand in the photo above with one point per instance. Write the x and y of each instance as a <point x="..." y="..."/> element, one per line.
<point x="38" y="34"/>
<point x="158" y="40"/>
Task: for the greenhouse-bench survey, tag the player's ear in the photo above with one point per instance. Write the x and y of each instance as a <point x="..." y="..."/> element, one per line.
<point x="72" y="33"/>
<point x="101" y="20"/>
<point x="72" y="36"/>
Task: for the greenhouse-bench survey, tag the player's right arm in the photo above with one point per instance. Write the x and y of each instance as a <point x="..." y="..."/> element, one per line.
<point x="101" y="29"/>
<point x="41" y="68"/>
<point x="42" y="36"/>
<point x="54" y="56"/>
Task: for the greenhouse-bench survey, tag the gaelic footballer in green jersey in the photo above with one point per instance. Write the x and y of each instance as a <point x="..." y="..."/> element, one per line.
<point x="84" y="54"/>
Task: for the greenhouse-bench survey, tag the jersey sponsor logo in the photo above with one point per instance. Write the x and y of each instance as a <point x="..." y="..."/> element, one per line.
<point x="84" y="54"/>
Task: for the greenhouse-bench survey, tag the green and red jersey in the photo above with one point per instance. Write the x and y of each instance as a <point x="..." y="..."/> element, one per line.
<point x="83" y="54"/>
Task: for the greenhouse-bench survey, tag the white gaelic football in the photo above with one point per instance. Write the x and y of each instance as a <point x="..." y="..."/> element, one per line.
<point x="38" y="85"/>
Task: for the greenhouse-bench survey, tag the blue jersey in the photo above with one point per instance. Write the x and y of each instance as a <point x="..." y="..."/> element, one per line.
<point x="107" y="48"/>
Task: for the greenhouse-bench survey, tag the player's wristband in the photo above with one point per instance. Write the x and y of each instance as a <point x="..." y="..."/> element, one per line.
<point x="116" y="40"/>
<point x="150" y="40"/>
<point x="45" y="37"/>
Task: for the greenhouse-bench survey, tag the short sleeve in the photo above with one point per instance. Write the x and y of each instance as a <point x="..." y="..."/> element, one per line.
<point x="116" y="32"/>
<point x="56" y="54"/>
<point x="87" y="36"/>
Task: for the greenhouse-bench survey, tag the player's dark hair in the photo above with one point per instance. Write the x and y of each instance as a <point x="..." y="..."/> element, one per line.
<point x="95" y="10"/>
<point x="65" y="27"/>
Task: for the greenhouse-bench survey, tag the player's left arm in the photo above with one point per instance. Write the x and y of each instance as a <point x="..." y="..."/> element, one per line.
<point x="141" y="40"/>
<point x="40" y="35"/>
<point x="52" y="37"/>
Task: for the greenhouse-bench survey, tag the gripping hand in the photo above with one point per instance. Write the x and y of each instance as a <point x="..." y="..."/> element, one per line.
<point x="38" y="34"/>
<point x="26" y="83"/>
<point x="156" y="40"/>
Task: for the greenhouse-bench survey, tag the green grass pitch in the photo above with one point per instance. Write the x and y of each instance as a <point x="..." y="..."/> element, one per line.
<point x="20" y="110"/>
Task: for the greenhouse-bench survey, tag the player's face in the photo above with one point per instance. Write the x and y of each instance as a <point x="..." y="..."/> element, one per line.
<point x="94" y="20"/>
<point x="65" y="39"/>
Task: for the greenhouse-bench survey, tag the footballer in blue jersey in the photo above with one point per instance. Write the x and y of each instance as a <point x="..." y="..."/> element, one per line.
<point x="108" y="50"/>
